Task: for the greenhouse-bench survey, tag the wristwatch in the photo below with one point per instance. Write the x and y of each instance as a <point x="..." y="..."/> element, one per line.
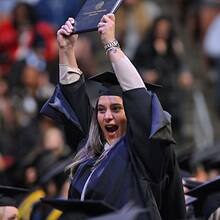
<point x="110" y="45"/>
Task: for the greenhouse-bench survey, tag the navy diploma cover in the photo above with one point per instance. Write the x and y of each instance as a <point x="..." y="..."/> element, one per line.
<point x="91" y="13"/>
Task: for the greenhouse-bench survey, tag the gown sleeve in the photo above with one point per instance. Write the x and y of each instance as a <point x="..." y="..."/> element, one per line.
<point x="149" y="131"/>
<point x="70" y="106"/>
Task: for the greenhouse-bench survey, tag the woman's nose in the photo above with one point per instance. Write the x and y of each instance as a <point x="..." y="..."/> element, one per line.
<point x="108" y="115"/>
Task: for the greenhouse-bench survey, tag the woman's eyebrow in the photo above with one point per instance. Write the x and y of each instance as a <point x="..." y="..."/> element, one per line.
<point x="117" y="104"/>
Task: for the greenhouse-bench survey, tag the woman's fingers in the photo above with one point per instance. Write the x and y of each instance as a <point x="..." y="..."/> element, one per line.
<point x="111" y="17"/>
<point x="71" y="20"/>
<point x="62" y="31"/>
<point x="69" y="25"/>
<point x="67" y="28"/>
<point x="101" y="24"/>
<point x="107" y="18"/>
<point x="106" y="28"/>
<point x="65" y="31"/>
<point x="106" y="21"/>
<point x="101" y="30"/>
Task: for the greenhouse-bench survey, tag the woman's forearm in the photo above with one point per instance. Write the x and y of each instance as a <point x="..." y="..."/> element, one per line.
<point x="125" y="71"/>
<point x="68" y="68"/>
<point x="67" y="57"/>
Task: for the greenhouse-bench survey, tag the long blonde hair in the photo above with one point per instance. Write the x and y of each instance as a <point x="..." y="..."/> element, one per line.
<point x="92" y="148"/>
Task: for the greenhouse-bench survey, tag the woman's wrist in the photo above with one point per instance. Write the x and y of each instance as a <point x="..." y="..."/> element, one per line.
<point x="111" y="45"/>
<point x="66" y="48"/>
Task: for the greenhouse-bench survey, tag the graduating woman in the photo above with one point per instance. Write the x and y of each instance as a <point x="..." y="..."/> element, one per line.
<point x="124" y="144"/>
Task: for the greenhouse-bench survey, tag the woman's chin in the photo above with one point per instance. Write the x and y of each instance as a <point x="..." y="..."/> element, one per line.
<point x="112" y="137"/>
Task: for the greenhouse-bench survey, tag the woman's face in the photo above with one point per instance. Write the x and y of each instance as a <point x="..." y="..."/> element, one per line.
<point x="163" y="29"/>
<point x="111" y="117"/>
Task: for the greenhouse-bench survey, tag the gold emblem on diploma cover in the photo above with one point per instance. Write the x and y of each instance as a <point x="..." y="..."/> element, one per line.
<point x="99" y="5"/>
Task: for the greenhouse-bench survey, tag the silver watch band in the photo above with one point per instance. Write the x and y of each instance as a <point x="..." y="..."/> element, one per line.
<point x="110" y="45"/>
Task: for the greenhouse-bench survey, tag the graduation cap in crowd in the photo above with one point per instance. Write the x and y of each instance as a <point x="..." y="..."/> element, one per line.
<point x="208" y="197"/>
<point x="107" y="84"/>
<point x="11" y="196"/>
<point x="190" y="183"/>
<point x="128" y="212"/>
<point x="76" y="209"/>
<point x="190" y="200"/>
<point x="57" y="169"/>
<point x="55" y="176"/>
<point x="56" y="173"/>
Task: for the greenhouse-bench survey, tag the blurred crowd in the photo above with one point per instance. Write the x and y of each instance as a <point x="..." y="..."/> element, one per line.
<point x="178" y="49"/>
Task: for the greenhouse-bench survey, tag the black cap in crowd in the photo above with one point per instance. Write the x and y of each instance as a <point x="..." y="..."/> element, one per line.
<point x="10" y="196"/>
<point x="208" y="197"/>
<point x="57" y="171"/>
<point x="97" y="210"/>
<point x="79" y="209"/>
<point x="190" y="200"/>
<point x="190" y="183"/>
<point x="128" y="212"/>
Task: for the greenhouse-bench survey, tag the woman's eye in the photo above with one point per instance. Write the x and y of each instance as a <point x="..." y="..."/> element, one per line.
<point x="101" y="110"/>
<point x="116" y="108"/>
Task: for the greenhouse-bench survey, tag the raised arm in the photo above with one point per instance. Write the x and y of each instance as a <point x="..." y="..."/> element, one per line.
<point x="143" y="110"/>
<point x="69" y="104"/>
<point x="70" y="77"/>
<point x="67" y="59"/>
<point x="125" y="71"/>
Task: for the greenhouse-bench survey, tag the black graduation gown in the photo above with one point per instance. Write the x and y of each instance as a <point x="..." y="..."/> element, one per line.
<point x="141" y="167"/>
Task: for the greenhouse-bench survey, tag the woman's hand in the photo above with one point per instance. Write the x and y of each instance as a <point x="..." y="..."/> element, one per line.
<point x="65" y="37"/>
<point x="106" y="28"/>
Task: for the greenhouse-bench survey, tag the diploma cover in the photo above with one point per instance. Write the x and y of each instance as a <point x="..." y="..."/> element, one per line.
<point x="91" y="13"/>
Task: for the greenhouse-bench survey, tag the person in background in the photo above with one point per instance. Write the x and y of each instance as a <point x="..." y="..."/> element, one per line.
<point x="21" y="32"/>
<point x="135" y="16"/>
<point x="159" y="59"/>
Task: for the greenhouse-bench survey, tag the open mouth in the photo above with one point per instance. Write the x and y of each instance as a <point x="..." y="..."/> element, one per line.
<point x="111" y="128"/>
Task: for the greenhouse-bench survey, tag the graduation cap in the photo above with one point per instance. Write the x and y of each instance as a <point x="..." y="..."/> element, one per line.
<point x="44" y="162"/>
<point x="107" y="84"/>
<point x="208" y="197"/>
<point x="128" y="212"/>
<point x="56" y="171"/>
<point x="190" y="183"/>
<point x="206" y="188"/>
<point x="9" y="196"/>
<point x="80" y="209"/>
<point x="190" y="200"/>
